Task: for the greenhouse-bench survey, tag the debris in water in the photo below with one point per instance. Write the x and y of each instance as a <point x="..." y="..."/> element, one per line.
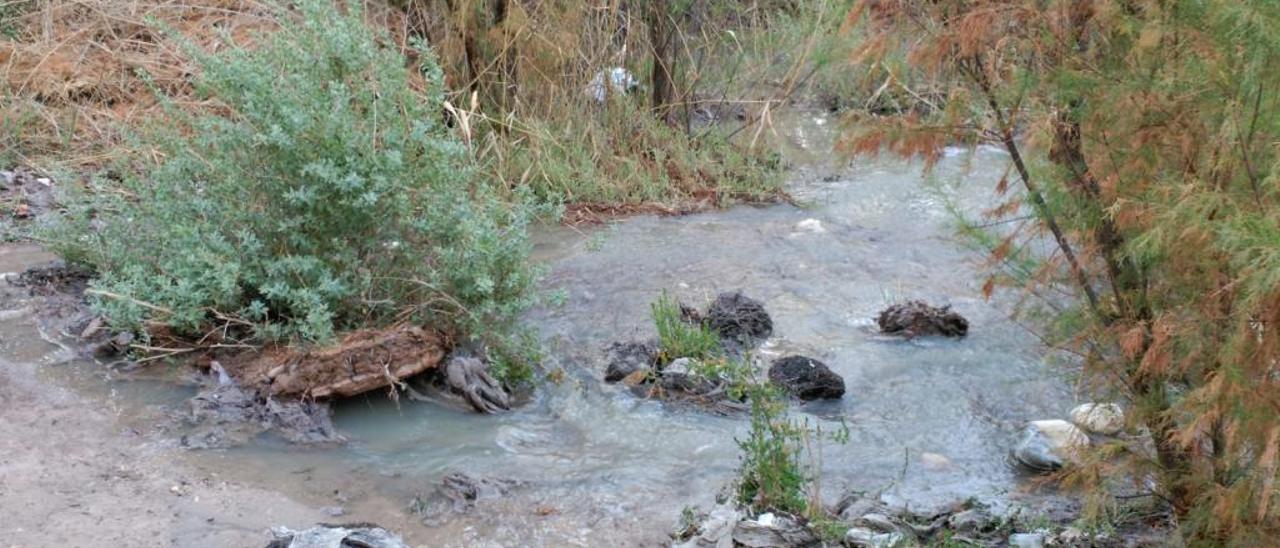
<point x="469" y="377"/>
<point x="228" y="415"/>
<point x="916" y="319"/>
<point x="353" y="535"/>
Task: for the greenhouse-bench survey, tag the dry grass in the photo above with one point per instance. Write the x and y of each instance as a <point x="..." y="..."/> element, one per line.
<point x="74" y="71"/>
<point x="78" y="73"/>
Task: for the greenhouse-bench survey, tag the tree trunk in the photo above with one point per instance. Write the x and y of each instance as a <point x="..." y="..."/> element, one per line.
<point x="661" y="36"/>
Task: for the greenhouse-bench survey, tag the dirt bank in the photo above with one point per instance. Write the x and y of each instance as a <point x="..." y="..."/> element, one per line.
<point x="70" y="477"/>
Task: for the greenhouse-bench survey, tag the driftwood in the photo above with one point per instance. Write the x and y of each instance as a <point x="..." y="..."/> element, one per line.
<point x="361" y="361"/>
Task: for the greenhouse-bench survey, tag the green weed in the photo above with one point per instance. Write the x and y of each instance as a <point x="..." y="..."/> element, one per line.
<point x="680" y="338"/>
<point x="772" y="475"/>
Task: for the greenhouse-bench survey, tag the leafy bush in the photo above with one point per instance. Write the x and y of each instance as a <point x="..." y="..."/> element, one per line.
<point x="320" y="191"/>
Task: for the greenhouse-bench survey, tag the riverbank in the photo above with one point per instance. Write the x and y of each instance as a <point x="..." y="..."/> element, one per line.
<point x="72" y="475"/>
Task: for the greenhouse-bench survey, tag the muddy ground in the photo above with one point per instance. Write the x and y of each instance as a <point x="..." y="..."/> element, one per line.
<point x="70" y="476"/>
<point x="72" y="473"/>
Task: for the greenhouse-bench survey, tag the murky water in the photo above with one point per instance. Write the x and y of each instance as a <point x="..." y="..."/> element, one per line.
<point x="929" y="420"/>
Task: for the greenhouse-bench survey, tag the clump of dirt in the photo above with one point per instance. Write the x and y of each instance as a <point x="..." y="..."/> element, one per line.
<point x="363" y="360"/>
<point x="228" y="415"/>
<point x="54" y="278"/>
<point x="738" y="317"/>
<point x="916" y="319"/>
<point x="25" y="194"/>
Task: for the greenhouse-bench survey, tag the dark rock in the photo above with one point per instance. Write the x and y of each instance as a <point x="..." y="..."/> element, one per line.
<point x="738" y="317"/>
<point x="469" y="377"/>
<point x="806" y="378"/>
<point x="625" y="358"/>
<point x="915" y="319"/>
<point x="355" y="535"/>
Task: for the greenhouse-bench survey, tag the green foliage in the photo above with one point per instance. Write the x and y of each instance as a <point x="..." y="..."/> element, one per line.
<point x="680" y="338"/>
<point x="320" y="192"/>
<point x="737" y="373"/>
<point x="772" y="476"/>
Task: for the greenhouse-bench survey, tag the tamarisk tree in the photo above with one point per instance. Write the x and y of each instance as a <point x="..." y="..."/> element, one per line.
<point x="1142" y="137"/>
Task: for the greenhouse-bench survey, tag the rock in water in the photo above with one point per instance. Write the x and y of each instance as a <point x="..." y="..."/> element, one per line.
<point x="806" y="378"/>
<point x="1100" y="418"/>
<point x="916" y="319"/>
<point x="470" y="377"/>
<point x="772" y="531"/>
<point x="739" y="317"/>
<point x="356" y="535"/>
<point x="1046" y="446"/>
<point x="866" y="538"/>
<point x="716" y="530"/>
<point x="1026" y="540"/>
<point x="625" y="358"/>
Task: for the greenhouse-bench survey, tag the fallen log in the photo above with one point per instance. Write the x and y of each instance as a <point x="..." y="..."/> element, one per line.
<point x="361" y="361"/>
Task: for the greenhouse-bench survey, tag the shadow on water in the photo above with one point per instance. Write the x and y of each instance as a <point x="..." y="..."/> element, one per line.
<point x="930" y="420"/>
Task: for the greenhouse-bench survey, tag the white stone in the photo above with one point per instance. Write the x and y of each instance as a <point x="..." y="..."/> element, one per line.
<point x="812" y="226"/>
<point x="680" y="366"/>
<point x="1100" y="418"/>
<point x="934" y="461"/>
<point x="866" y="538"/>
<point x="1048" y="445"/>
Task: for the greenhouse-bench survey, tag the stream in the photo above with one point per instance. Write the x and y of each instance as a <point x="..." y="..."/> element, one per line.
<point x="930" y="421"/>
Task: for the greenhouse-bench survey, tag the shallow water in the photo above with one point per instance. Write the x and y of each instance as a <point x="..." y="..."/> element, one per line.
<point x="930" y="421"/>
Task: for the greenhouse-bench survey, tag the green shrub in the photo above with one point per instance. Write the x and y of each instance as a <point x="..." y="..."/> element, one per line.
<point x="320" y="191"/>
<point x="680" y="338"/>
<point x="772" y="476"/>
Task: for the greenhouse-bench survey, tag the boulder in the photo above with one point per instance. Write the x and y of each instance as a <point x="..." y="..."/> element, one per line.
<point x="623" y="359"/>
<point x="806" y="378"/>
<point x="917" y="319"/>
<point x="738" y="317"/>
<point x="1100" y="418"/>
<point x="363" y="535"/>
<point x="1045" y="446"/>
